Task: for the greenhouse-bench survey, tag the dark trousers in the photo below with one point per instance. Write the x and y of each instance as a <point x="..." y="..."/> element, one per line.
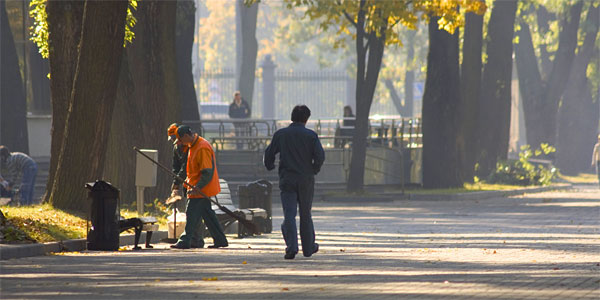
<point x="598" y="171"/>
<point x="298" y="193"/>
<point x="199" y="209"/>
<point x="28" y="185"/>
<point x="241" y="129"/>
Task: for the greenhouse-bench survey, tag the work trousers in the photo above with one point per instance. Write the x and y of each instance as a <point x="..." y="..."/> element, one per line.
<point x="199" y="209"/>
<point x="28" y="184"/>
<point x="298" y="193"/>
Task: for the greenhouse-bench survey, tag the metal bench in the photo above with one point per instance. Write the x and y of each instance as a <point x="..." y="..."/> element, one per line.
<point x="254" y="215"/>
<point x="147" y="224"/>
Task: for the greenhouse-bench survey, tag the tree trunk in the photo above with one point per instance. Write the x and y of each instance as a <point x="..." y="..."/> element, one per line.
<point x="184" y="43"/>
<point x="120" y="159"/>
<point x="91" y="105"/>
<point x="409" y="77"/>
<point x="543" y="20"/>
<point x="367" y="73"/>
<point x="441" y="161"/>
<point x="561" y="67"/>
<point x="394" y="95"/>
<point x="248" y="17"/>
<point x="495" y="103"/>
<point x="13" y="105"/>
<point x="147" y="100"/>
<point x="64" y="31"/>
<point x="541" y="99"/>
<point x="575" y="131"/>
<point x="470" y="89"/>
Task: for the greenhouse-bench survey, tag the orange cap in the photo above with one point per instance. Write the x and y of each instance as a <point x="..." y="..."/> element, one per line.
<point x="172" y="132"/>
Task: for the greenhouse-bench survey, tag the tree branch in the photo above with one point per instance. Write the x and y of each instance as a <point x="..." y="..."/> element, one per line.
<point x="350" y="19"/>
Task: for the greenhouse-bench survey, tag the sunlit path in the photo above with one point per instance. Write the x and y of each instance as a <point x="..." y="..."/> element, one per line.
<point x="540" y="246"/>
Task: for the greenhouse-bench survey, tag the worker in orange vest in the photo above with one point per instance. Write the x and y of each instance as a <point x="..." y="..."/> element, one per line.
<point x="202" y="174"/>
<point x="180" y="155"/>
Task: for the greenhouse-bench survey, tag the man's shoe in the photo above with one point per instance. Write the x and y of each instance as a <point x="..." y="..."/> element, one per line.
<point x="315" y="250"/>
<point x="197" y="245"/>
<point x="218" y="246"/>
<point x="290" y="255"/>
<point x="180" y="246"/>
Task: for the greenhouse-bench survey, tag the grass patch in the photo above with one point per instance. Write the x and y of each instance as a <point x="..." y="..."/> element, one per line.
<point x="41" y="223"/>
<point x="467" y="188"/>
<point x="581" y="178"/>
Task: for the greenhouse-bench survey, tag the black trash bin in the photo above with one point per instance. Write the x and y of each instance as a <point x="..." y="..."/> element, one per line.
<point x="104" y="214"/>
<point x="257" y="194"/>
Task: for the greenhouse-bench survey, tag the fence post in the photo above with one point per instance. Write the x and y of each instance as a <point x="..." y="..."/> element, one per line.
<point x="268" y="86"/>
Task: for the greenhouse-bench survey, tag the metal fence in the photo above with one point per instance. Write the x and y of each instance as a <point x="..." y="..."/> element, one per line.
<point x="325" y="92"/>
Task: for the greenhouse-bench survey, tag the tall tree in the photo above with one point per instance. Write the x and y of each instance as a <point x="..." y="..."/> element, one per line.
<point x="91" y="103"/>
<point x="470" y="87"/>
<point x="13" y="105"/>
<point x="184" y="42"/>
<point x="147" y="100"/>
<point x="441" y="160"/>
<point x="64" y="31"/>
<point x="544" y="18"/>
<point x="409" y="77"/>
<point x="371" y="23"/>
<point x="495" y="103"/>
<point x="578" y="112"/>
<point x="405" y="109"/>
<point x="541" y="97"/>
<point x="249" y="48"/>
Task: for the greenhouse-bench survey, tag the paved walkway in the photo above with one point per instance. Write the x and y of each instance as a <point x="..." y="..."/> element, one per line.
<point x="537" y="246"/>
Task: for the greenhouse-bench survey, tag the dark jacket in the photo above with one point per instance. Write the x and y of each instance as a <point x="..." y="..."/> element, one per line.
<point x="239" y="112"/>
<point x="300" y="152"/>
<point x="180" y="155"/>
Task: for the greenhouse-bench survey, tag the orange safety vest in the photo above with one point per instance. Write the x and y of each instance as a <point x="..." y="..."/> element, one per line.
<point x="201" y="156"/>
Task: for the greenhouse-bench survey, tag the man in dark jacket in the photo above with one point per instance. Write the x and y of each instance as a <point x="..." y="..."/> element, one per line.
<point x="301" y="156"/>
<point x="239" y="109"/>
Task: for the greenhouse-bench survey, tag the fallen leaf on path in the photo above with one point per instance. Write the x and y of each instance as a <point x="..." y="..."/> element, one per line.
<point x="210" y="278"/>
<point x="285" y="289"/>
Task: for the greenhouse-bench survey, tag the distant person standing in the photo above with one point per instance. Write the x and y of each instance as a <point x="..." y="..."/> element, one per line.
<point x="596" y="158"/>
<point x="301" y="156"/>
<point x="239" y="109"/>
<point x="18" y="167"/>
